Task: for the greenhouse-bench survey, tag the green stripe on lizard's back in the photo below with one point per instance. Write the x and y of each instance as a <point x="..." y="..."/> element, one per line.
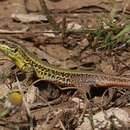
<point x="28" y="62"/>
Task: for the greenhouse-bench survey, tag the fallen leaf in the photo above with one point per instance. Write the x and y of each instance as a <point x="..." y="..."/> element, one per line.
<point x="28" y="18"/>
<point x="102" y="120"/>
<point x="88" y="57"/>
<point x="58" y="52"/>
<point x="107" y="68"/>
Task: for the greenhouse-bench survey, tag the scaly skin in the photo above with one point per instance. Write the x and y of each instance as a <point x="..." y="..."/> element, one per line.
<point x="28" y="62"/>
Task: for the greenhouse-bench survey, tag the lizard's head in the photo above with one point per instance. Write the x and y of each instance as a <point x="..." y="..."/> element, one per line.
<point x="10" y="49"/>
<point x="14" y="51"/>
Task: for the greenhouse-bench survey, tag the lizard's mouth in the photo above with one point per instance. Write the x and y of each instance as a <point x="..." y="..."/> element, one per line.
<point x="7" y="51"/>
<point x="4" y="48"/>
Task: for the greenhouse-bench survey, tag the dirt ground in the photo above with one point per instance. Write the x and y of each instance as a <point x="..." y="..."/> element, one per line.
<point x="79" y="35"/>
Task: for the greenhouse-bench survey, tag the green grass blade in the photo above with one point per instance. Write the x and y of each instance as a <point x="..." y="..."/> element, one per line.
<point x="122" y="32"/>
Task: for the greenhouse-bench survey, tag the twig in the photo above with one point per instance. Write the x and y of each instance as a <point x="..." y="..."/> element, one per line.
<point x="91" y="115"/>
<point x="48" y="15"/>
<point x="2" y="31"/>
<point x="5" y="58"/>
<point x="57" y="117"/>
<point x="25" y="104"/>
<point x="120" y="61"/>
<point x="26" y="7"/>
<point x="63" y="29"/>
<point x="126" y="4"/>
<point x="68" y="31"/>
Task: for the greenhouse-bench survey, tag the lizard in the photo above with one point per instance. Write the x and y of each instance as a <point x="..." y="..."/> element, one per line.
<point x="81" y="80"/>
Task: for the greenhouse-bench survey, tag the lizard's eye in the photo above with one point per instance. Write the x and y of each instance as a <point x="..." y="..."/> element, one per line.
<point x="15" y="50"/>
<point x="3" y="42"/>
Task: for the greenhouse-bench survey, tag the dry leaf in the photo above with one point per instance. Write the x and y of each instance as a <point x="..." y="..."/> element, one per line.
<point x="89" y="58"/>
<point x="32" y="94"/>
<point x="102" y="120"/>
<point x="28" y="18"/>
<point x="107" y="68"/>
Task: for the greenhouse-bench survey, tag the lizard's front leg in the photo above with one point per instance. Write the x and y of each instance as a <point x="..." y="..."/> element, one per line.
<point x="29" y="72"/>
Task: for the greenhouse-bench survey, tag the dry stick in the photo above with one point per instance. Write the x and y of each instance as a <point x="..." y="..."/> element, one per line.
<point x="114" y="8"/>
<point x="126" y="4"/>
<point x="5" y="58"/>
<point x="120" y="61"/>
<point x="103" y="97"/>
<point x="25" y="5"/>
<point x="25" y="104"/>
<point x="57" y="118"/>
<point x="48" y="15"/>
<point x="11" y="32"/>
<point x="40" y="96"/>
<point x="64" y="29"/>
<point x="91" y="116"/>
<point x="67" y="31"/>
<point x="24" y="31"/>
